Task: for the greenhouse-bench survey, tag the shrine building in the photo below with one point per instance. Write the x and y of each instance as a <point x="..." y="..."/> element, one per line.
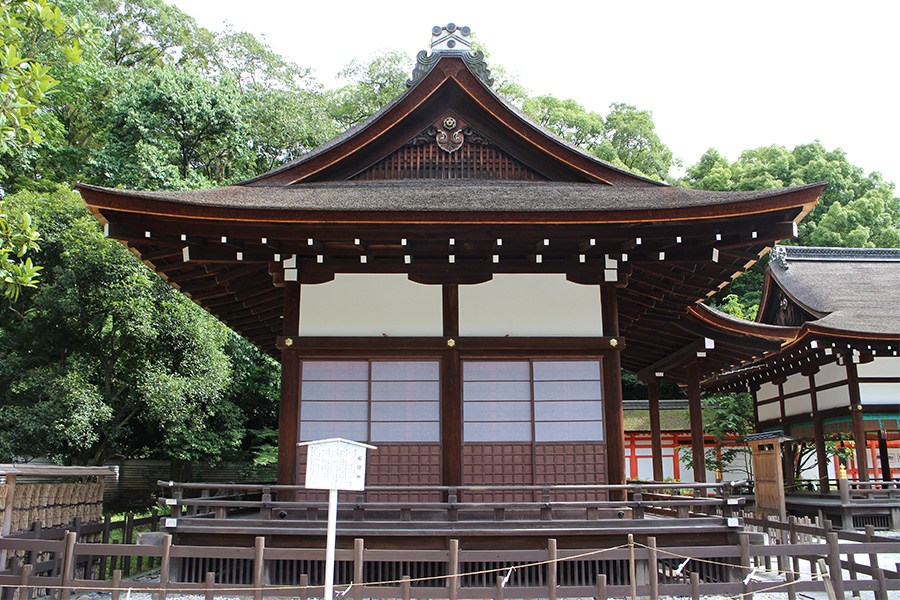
<point x="837" y="377"/>
<point x="458" y="286"/>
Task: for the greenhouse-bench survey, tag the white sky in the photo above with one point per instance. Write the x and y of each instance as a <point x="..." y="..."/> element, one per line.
<point x="715" y="73"/>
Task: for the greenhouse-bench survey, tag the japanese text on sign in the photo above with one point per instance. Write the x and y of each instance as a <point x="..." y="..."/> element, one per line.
<point x="336" y="466"/>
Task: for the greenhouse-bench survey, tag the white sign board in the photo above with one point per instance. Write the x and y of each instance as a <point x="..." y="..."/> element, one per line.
<point x="336" y="465"/>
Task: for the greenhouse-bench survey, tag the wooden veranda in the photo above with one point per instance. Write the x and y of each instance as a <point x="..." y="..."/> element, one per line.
<point x="427" y="517"/>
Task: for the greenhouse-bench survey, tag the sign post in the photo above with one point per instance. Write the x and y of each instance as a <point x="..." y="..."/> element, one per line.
<point x="334" y="464"/>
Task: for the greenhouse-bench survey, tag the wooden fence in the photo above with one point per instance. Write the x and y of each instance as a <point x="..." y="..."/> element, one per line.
<point x="125" y="531"/>
<point x="813" y="559"/>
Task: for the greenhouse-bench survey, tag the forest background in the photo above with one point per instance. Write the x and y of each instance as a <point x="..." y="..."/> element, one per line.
<point x="99" y="358"/>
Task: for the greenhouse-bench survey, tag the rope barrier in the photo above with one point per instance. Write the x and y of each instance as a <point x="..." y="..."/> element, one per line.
<point x="722" y="564"/>
<point x="508" y="569"/>
<point x="250" y="588"/>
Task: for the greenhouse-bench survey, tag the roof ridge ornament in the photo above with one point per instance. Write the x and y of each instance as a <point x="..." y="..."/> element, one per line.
<point x="451" y="40"/>
<point x="779" y="256"/>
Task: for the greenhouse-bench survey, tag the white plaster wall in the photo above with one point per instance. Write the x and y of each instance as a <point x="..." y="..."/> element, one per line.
<point x="801" y="405"/>
<point x="370" y="305"/>
<point x="767" y="391"/>
<point x="830" y="373"/>
<point x="879" y="393"/>
<point x="768" y="412"/>
<point x="538" y="305"/>
<point x="833" y="398"/>
<point x="795" y="383"/>
<point x="882" y="366"/>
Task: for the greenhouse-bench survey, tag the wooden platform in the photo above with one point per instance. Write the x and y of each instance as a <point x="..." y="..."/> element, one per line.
<point x="241" y="531"/>
<point x="237" y="515"/>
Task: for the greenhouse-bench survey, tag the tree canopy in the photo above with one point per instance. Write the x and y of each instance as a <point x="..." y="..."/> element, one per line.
<point x="31" y="32"/>
<point x="626" y="137"/>
<point x="108" y="360"/>
<point x="855" y="210"/>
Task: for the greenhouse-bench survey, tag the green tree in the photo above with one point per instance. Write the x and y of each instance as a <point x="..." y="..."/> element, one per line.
<point x="732" y="305"/>
<point x="371" y="86"/>
<point x="625" y="138"/>
<point x="867" y="212"/>
<point x="632" y="139"/>
<point x="729" y="419"/>
<point x="173" y="129"/>
<point x="17" y="238"/>
<point x="107" y="359"/>
<point x="567" y="119"/>
<point x="855" y="209"/>
<point x="27" y="28"/>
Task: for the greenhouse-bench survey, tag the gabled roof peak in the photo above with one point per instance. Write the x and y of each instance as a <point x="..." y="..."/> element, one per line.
<point x="453" y="41"/>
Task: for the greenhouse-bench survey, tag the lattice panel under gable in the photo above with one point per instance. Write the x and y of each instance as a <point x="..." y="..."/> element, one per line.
<point x="423" y="158"/>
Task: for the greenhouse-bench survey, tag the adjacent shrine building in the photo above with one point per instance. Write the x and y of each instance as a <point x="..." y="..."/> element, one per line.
<point x="453" y="283"/>
<point x="837" y="377"/>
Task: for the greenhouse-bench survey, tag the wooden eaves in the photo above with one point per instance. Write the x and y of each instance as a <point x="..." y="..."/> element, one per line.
<point x="666" y="248"/>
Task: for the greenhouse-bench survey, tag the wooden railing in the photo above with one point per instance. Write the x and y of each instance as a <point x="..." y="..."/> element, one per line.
<point x="678" y="500"/>
<point x="123" y="531"/>
<point x="636" y="568"/>
<point x="854" y="503"/>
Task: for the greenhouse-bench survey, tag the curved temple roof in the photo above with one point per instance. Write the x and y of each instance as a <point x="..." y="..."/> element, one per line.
<point x="831" y="301"/>
<point x="449" y="169"/>
<point x="457" y="201"/>
<point x="852" y="291"/>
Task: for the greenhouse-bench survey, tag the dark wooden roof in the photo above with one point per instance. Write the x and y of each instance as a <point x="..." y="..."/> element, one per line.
<point x="448" y="169"/>
<point x="715" y="342"/>
<point x="837" y="301"/>
<point x="839" y="291"/>
<point x="414" y="201"/>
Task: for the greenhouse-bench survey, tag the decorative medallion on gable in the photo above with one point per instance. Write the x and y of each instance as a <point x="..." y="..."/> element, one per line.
<point x="449" y="149"/>
<point x="450" y="134"/>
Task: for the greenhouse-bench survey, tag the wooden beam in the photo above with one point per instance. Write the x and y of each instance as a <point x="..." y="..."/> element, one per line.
<point x="451" y="418"/>
<point x="856" y="420"/>
<point x="679" y="358"/>
<point x="289" y="404"/>
<point x="548" y="344"/>
<point x="209" y="254"/>
<point x="818" y="434"/>
<point x="612" y="392"/>
<point x="698" y="448"/>
<point x="655" y="428"/>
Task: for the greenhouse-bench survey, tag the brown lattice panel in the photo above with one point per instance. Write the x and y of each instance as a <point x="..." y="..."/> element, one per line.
<point x="428" y="161"/>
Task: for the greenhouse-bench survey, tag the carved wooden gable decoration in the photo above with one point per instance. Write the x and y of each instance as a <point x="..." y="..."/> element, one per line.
<point x="450" y="149"/>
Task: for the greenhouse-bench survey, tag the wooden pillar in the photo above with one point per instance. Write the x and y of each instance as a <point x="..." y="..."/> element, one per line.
<point x="695" y="408"/>
<point x="655" y="428"/>
<point x="754" y="391"/>
<point x="818" y="434"/>
<point x="451" y="392"/>
<point x="883" y="456"/>
<point x="289" y="404"/>
<point x="856" y="419"/>
<point x="612" y="392"/>
<point x="9" y="506"/>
